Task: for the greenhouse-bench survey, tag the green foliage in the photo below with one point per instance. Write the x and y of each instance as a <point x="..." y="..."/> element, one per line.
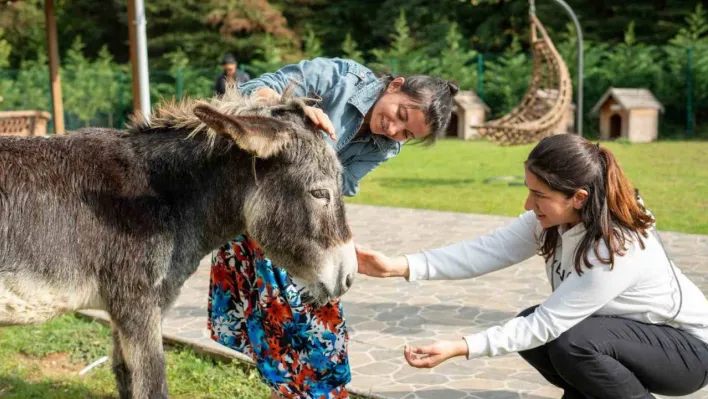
<point x="23" y="26"/>
<point x="350" y="49"/>
<point x="182" y="78"/>
<point x="72" y="342"/>
<point x="189" y="375"/>
<point x="402" y="57"/>
<point x="455" y="62"/>
<point x="313" y="45"/>
<point x="696" y="30"/>
<point x="667" y="173"/>
<point x="207" y="29"/>
<point x="27" y="87"/>
<point x="270" y="57"/>
<point x="631" y="64"/>
<point x="5" y="49"/>
<point x="507" y="78"/>
<point x="93" y="84"/>
<point x="187" y="38"/>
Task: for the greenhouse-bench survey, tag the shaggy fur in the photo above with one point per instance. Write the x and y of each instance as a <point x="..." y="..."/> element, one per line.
<point x="118" y="220"/>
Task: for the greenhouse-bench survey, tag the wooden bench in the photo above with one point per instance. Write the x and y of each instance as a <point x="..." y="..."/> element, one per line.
<point x="24" y="123"/>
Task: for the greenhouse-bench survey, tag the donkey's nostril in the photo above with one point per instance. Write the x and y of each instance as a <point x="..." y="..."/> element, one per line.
<point x="349" y="281"/>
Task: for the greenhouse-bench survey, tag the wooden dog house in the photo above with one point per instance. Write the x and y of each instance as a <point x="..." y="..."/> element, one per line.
<point x="632" y="114"/>
<point x="468" y="111"/>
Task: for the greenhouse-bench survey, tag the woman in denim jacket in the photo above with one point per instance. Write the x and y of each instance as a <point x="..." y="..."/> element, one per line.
<point x="254" y="307"/>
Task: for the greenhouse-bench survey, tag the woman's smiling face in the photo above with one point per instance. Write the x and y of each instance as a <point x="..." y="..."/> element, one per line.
<point x="552" y="208"/>
<point x="396" y="115"/>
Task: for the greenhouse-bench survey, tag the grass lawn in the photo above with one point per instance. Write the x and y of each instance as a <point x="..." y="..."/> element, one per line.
<point x="672" y="177"/>
<point x="43" y="361"/>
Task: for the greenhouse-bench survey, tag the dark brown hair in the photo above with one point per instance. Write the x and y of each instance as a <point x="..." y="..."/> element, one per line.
<point x="611" y="214"/>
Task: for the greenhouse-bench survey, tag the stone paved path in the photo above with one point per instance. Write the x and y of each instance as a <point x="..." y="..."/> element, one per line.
<point x="383" y="315"/>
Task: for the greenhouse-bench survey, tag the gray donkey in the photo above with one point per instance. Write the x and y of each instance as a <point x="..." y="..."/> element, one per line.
<point x="118" y="220"/>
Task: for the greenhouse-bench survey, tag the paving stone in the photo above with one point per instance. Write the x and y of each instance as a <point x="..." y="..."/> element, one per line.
<point x="425" y="379"/>
<point x="379" y="368"/>
<point x="441" y="394"/>
<point x="384" y="314"/>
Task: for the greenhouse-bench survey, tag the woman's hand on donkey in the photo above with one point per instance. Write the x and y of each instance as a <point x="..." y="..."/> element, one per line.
<point x="376" y="264"/>
<point x="431" y="355"/>
<point x="318" y="117"/>
<point x="321" y="120"/>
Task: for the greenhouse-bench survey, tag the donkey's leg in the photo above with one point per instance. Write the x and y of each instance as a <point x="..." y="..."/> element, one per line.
<point x="140" y="336"/>
<point x="120" y="369"/>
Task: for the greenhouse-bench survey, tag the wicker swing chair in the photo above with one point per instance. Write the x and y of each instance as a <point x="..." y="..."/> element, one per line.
<point x="546" y="101"/>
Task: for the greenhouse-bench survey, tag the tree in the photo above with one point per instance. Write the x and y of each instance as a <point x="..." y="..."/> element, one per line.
<point x="107" y="94"/>
<point x="89" y="86"/>
<point x="631" y="64"/>
<point x="27" y="89"/>
<point x="402" y="57"/>
<point x="5" y="50"/>
<point x="507" y="78"/>
<point x="694" y="36"/>
<point x="695" y="33"/>
<point x="23" y="26"/>
<point x="455" y="62"/>
<point x="270" y="57"/>
<point x="313" y="45"/>
<point x="350" y="49"/>
<point x="5" y="78"/>
<point x="195" y="82"/>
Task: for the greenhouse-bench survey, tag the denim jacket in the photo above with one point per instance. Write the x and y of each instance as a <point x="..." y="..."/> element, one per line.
<point x="347" y="91"/>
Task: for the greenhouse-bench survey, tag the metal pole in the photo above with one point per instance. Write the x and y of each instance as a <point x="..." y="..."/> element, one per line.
<point x="133" y="56"/>
<point x="579" y="101"/>
<point x="144" y="82"/>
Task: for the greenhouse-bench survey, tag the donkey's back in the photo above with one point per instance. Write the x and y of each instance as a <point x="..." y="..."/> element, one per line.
<point x="89" y="221"/>
<point x="58" y="210"/>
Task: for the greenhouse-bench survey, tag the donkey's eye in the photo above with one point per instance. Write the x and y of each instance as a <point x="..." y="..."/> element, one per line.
<point x="320" y="194"/>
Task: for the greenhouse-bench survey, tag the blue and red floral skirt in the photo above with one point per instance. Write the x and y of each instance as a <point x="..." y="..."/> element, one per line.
<point x="255" y="308"/>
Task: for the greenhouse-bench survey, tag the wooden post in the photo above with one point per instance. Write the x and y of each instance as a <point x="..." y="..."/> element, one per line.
<point x="54" y="77"/>
<point x="133" y="54"/>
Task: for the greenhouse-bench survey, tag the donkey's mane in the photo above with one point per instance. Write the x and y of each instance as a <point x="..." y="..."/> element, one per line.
<point x="172" y="114"/>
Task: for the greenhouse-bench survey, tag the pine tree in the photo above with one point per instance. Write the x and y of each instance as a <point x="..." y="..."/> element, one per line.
<point x="455" y="62"/>
<point x="5" y="50"/>
<point x="696" y="31"/>
<point x="313" y="45"/>
<point x="402" y="57"/>
<point x="350" y="50"/>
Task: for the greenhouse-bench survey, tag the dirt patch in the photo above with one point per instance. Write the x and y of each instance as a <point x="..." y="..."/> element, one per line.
<point x="53" y="365"/>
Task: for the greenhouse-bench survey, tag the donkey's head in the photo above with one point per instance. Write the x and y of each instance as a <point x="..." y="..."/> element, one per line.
<point x="295" y="211"/>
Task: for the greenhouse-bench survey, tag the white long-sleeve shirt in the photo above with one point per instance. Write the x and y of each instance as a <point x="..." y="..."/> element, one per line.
<point x="640" y="286"/>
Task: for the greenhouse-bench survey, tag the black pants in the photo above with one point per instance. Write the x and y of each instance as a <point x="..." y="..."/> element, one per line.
<point x="615" y="358"/>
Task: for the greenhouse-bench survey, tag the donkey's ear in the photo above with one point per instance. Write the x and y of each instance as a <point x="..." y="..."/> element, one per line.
<point x="260" y="135"/>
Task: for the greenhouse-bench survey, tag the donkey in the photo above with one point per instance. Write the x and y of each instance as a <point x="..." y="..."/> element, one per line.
<point x="118" y="220"/>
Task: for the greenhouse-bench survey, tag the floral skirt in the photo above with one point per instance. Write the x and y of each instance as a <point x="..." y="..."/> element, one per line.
<point x="255" y="308"/>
